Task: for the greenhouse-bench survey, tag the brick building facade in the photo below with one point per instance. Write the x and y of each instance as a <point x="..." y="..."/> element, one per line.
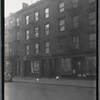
<point x="53" y="37"/>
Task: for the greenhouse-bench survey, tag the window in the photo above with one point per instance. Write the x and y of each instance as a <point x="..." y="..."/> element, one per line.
<point x="27" y="50"/>
<point x="91" y="65"/>
<point x="91" y="1"/>
<point x="37" y="32"/>
<point x="17" y="50"/>
<point x="92" y="18"/>
<point x="62" y="25"/>
<point x="27" y="34"/>
<point x="61" y="7"/>
<point x="35" y="66"/>
<point x="65" y="66"/>
<point x="92" y="40"/>
<point x="75" y="3"/>
<point x="27" y="20"/>
<point x="47" y="13"/>
<point x="47" y="29"/>
<point x="10" y="38"/>
<point x="75" y="22"/>
<point x="76" y="42"/>
<point x="47" y="48"/>
<point x="17" y="35"/>
<point x="17" y="21"/>
<point x="36" y="16"/>
<point x="10" y="21"/>
<point x="36" y="48"/>
<point x="62" y="43"/>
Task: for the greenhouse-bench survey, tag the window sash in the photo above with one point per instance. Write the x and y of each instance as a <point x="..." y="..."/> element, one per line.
<point x="27" y="19"/>
<point x="46" y="12"/>
<point x="92" y="15"/>
<point x="90" y="1"/>
<point x="36" y="48"/>
<point x="61" y="6"/>
<point x="17" y="20"/>
<point x="62" y="25"/>
<point x="17" y="36"/>
<point x="36" y="16"/>
<point x="36" y="32"/>
<point x="47" y="29"/>
<point x="47" y="50"/>
<point x="27" y="50"/>
<point x="27" y="34"/>
<point x="92" y="21"/>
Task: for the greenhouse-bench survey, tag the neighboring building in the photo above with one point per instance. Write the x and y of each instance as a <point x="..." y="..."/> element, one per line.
<point x="53" y="37"/>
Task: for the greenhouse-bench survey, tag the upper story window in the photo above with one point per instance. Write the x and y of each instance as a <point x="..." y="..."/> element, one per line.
<point x="27" y="50"/>
<point x="47" y="47"/>
<point x="62" y="25"/>
<point x="91" y="1"/>
<point x="47" y="29"/>
<point x="27" y="20"/>
<point x="17" y="35"/>
<point x="36" y="16"/>
<point x="17" y="50"/>
<point x="92" y="18"/>
<point x="47" y="13"/>
<point x="36" y="48"/>
<point x="61" y="6"/>
<point x="75" y="22"/>
<point x="17" y="21"/>
<point x="92" y="40"/>
<point x="62" y="43"/>
<point x="27" y="34"/>
<point x="10" y="21"/>
<point x="75" y="3"/>
<point x="76" y="42"/>
<point x="10" y="38"/>
<point x="37" y="32"/>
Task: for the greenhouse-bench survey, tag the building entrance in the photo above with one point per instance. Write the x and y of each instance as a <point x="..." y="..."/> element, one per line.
<point x="78" y="66"/>
<point x="27" y="68"/>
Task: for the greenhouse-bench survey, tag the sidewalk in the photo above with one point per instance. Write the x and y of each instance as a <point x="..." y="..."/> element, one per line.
<point x="67" y="82"/>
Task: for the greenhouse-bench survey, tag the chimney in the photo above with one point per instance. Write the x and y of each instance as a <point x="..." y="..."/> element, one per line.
<point x="24" y="5"/>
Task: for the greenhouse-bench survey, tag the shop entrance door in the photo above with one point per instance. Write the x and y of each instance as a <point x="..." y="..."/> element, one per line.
<point x="44" y="68"/>
<point x="78" y="66"/>
<point x="27" y="68"/>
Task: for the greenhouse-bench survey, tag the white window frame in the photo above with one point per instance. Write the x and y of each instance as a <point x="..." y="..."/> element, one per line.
<point x="61" y="6"/>
<point x="76" y="42"/>
<point x="47" y="47"/>
<point x="92" y="18"/>
<point x="27" y="19"/>
<point x="17" y="21"/>
<point x="36" y="16"/>
<point x="92" y="40"/>
<point x="47" y="31"/>
<point x="47" y="13"/>
<point x="37" y="48"/>
<point x="75" y="3"/>
<point x="36" y="31"/>
<point x="27" y="34"/>
<point x="18" y="37"/>
<point x="75" y="21"/>
<point x="91" y="1"/>
<point x="62" y="25"/>
<point x="27" y="50"/>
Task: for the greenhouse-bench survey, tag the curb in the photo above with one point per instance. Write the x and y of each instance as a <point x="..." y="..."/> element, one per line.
<point x="57" y="84"/>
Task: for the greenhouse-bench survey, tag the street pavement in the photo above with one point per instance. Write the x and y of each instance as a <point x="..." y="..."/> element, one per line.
<point x="33" y="91"/>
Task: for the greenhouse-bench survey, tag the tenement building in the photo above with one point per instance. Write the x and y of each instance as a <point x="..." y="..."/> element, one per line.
<point x="52" y="38"/>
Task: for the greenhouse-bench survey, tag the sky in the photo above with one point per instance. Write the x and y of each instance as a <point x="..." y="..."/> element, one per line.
<point x="12" y="6"/>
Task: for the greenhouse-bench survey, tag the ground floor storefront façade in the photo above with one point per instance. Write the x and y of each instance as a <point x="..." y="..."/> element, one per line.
<point x="52" y="66"/>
